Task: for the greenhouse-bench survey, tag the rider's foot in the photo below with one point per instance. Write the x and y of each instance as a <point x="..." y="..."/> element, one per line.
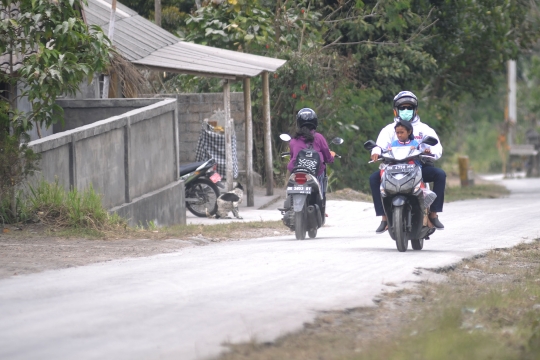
<point x="382" y="228"/>
<point x="436" y="223"/>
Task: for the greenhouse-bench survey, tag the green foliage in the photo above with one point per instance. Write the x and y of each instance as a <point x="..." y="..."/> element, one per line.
<point x="59" y="52"/>
<point x="74" y="209"/>
<point x="238" y="25"/>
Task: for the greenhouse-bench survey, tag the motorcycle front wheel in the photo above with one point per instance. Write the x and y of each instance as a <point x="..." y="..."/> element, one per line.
<point x="300" y="224"/>
<point x="206" y="193"/>
<point x="399" y="229"/>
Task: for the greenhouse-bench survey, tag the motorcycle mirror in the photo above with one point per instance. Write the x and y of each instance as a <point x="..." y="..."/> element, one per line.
<point x="429" y="140"/>
<point x="369" y="145"/>
<point x="337" y="141"/>
<point x="285" y="137"/>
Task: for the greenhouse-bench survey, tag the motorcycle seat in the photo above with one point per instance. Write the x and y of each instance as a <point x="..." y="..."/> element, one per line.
<point x="187" y="168"/>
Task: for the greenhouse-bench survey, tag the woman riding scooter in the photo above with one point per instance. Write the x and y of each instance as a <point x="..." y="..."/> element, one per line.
<point x="306" y="135"/>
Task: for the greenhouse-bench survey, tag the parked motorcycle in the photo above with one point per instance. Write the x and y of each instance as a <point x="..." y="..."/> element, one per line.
<point x="201" y="181"/>
<point x="304" y="207"/>
<point x="406" y="198"/>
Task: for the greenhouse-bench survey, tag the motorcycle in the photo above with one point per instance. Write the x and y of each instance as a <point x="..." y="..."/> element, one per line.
<point x="406" y="198"/>
<point x="201" y="181"/>
<point x="305" y="205"/>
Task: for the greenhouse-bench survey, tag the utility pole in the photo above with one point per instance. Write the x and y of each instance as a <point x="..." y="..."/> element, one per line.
<point x="110" y="35"/>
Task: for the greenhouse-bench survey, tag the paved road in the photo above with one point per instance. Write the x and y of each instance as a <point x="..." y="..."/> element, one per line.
<point x="184" y="305"/>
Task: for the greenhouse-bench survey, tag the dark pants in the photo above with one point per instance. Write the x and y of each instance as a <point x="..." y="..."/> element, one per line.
<point x="429" y="174"/>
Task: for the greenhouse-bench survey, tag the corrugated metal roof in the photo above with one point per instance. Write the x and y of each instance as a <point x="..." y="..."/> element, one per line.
<point x="148" y="45"/>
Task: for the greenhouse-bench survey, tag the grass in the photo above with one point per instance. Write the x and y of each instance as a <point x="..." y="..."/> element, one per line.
<point x="480" y="191"/>
<point x="71" y="209"/>
<point x="487" y="308"/>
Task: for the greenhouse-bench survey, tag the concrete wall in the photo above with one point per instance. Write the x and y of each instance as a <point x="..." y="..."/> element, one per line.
<point x="194" y="108"/>
<point x="132" y="159"/>
<point x="78" y="113"/>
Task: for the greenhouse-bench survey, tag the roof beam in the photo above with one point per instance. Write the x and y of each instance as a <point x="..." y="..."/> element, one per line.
<point x="188" y="72"/>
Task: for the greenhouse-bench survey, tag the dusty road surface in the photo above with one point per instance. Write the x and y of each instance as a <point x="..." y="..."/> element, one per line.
<point x="184" y="305"/>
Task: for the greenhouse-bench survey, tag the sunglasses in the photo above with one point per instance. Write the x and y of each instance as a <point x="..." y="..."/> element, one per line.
<point x="405" y="108"/>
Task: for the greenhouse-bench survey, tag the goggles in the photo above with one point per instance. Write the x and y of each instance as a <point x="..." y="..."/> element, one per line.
<point x="406" y="107"/>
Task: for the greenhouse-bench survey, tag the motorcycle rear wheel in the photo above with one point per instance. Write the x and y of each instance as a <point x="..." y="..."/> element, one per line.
<point x="300" y="224"/>
<point x="312" y="233"/>
<point x="206" y="193"/>
<point x="399" y="229"/>
<point x="417" y="244"/>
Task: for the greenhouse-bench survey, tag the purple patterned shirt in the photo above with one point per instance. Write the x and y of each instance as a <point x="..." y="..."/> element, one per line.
<point x="319" y="144"/>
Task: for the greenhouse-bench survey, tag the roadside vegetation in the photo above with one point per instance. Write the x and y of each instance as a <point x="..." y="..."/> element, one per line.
<point x="485" y="308"/>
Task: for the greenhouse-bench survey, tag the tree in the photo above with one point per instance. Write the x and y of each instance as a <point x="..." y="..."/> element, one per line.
<point x="47" y="50"/>
<point x="51" y="51"/>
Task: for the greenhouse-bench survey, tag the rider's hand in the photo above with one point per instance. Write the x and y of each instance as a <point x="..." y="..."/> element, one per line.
<point x="333" y="153"/>
<point x="374" y="157"/>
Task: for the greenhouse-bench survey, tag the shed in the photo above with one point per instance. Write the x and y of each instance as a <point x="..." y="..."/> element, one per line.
<point x="147" y="45"/>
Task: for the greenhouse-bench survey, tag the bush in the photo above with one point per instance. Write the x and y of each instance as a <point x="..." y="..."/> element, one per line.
<point x="75" y="209"/>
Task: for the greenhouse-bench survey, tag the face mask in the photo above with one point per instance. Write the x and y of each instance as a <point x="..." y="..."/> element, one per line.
<point x="406" y="114"/>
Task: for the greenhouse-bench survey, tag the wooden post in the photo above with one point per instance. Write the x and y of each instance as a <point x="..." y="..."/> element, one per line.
<point x="463" y="162"/>
<point x="228" y="134"/>
<point x="157" y="12"/>
<point x="269" y="168"/>
<point x="249" y="142"/>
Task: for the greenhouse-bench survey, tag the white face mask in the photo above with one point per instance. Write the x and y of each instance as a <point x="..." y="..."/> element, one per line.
<point x="406" y="114"/>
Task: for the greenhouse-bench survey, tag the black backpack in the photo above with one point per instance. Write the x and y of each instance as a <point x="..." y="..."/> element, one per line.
<point x="308" y="160"/>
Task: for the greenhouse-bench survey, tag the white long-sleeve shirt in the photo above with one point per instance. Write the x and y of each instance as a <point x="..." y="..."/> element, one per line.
<point x="388" y="135"/>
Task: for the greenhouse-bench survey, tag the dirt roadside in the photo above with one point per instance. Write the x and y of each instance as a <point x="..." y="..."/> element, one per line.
<point x="35" y="248"/>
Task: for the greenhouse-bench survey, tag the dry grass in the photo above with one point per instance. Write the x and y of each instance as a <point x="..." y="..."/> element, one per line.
<point x="487" y="308"/>
<point x="214" y="233"/>
<point x="349" y="194"/>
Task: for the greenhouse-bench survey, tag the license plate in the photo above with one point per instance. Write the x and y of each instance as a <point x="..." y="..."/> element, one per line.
<point x="299" y="189"/>
<point x="215" y="178"/>
<point x="396" y="169"/>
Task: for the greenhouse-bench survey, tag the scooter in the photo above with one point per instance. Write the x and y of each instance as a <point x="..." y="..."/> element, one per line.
<point x="305" y="205"/>
<point x="406" y="198"/>
<point x="202" y="183"/>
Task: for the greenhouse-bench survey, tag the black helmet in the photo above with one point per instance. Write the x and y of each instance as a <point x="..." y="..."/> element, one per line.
<point x="307" y="117"/>
<point x="405" y="97"/>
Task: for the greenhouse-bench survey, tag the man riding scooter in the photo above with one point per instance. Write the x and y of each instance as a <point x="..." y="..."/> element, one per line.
<point x="405" y="109"/>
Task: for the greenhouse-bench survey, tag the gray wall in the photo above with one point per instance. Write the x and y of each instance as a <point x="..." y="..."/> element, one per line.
<point x="84" y="112"/>
<point x="194" y="108"/>
<point x="132" y="159"/>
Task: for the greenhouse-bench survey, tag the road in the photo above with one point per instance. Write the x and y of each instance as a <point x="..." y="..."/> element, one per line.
<point x="185" y="305"/>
